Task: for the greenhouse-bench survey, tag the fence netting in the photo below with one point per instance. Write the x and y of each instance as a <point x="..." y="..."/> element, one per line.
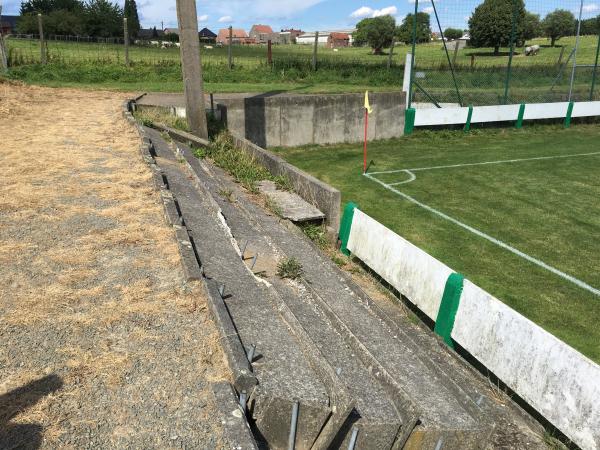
<point x="506" y="52"/>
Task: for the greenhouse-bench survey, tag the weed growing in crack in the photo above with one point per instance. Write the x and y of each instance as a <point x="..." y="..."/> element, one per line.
<point x="227" y="194"/>
<point x="289" y="268"/>
<point x="315" y="233"/>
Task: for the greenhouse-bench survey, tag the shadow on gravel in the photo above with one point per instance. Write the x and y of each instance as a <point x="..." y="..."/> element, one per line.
<point x="24" y="436"/>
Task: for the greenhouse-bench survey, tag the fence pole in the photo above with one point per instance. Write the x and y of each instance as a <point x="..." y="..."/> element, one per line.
<point x="314" y="55"/>
<point x="513" y="36"/>
<point x="391" y="54"/>
<point x="576" y="50"/>
<point x="269" y="53"/>
<point x="3" y="59"/>
<point x="191" y="67"/>
<point x="126" y="41"/>
<point x="460" y="102"/>
<point x="595" y="70"/>
<point x="229" y="49"/>
<point x="43" y="58"/>
<point x="412" y="55"/>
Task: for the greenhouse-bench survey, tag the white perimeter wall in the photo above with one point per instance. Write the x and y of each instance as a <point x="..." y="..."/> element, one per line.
<point x="559" y="382"/>
<point x="502" y="113"/>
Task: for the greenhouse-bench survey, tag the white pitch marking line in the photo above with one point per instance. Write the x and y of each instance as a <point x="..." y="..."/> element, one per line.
<point x="485" y="163"/>
<point x="499" y="243"/>
<point x="413" y="177"/>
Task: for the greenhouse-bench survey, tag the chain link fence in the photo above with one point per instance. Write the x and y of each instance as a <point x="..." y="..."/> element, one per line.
<point x="507" y="52"/>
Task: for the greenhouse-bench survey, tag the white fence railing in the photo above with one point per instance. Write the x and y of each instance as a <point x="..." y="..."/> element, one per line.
<point x="556" y="380"/>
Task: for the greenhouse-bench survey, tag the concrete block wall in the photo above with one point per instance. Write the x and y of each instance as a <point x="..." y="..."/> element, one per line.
<point x="294" y="120"/>
<point x="556" y="380"/>
<point x="314" y="191"/>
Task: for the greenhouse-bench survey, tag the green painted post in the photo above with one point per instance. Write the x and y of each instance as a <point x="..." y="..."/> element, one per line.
<point x="444" y="324"/>
<point x="569" y="114"/>
<point x="513" y="37"/>
<point x="409" y="120"/>
<point x="345" y="227"/>
<point x="469" y="117"/>
<point x="519" y="123"/>
<point x="412" y="56"/>
<point x="595" y="69"/>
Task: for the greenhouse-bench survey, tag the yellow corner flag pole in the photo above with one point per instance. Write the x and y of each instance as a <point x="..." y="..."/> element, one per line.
<point x="368" y="110"/>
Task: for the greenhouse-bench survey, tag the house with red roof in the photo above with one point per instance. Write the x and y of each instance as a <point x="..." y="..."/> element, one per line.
<point x="239" y="36"/>
<point x="263" y="33"/>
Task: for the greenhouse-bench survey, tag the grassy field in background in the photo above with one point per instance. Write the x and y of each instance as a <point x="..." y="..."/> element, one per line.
<point x="546" y="208"/>
<point x="347" y="70"/>
<point x="429" y="55"/>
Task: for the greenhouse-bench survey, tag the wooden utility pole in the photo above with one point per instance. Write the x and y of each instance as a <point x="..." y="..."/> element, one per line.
<point x="126" y="41"/>
<point x="43" y="55"/>
<point x="229" y="49"/>
<point x="314" y="55"/>
<point x="3" y="60"/>
<point x="191" y="67"/>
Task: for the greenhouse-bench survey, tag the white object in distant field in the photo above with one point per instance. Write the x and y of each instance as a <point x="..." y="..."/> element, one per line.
<point x="532" y="50"/>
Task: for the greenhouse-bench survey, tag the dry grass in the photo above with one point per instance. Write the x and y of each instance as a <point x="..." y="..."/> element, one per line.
<point x="90" y="269"/>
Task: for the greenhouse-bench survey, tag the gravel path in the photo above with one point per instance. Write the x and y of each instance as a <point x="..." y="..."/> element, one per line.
<point x="102" y="343"/>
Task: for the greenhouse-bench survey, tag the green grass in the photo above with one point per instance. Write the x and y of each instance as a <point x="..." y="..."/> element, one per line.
<point x="347" y="70"/>
<point x="548" y="209"/>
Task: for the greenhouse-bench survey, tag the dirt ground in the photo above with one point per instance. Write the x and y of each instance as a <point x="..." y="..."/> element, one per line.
<point x="102" y="343"/>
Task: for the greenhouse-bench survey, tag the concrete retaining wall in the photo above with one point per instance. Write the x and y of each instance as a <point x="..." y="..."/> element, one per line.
<point x="556" y="380"/>
<point x="287" y="121"/>
<point x="314" y="191"/>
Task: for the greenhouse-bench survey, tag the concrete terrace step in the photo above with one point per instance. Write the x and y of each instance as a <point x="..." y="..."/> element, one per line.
<point x="283" y="372"/>
<point x="445" y="412"/>
<point x="378" y="420"/>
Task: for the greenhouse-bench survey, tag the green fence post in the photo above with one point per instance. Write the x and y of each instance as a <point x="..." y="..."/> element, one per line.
<point x="345" y="227"/>
<point x="513" y="37"/>
<point x="469" y="117"/>
<point x="444" y="323"/>
<point x="569" y="114"/>
<point x="595" y="70"/>
<point x="519" y="123"/>
<point x="409" y="120"/>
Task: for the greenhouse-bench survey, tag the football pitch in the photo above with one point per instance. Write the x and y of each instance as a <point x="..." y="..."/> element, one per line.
<point x="515" y="211"/>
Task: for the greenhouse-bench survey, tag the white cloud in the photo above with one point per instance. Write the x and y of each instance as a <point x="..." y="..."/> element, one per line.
<point x="428" y="10"/>
<point x="389" y="11"/>
<point x="203" y="18"/>
<point x="365" y="11"/>
<point x="590" y="8"/>
<point x="225" y="19"/>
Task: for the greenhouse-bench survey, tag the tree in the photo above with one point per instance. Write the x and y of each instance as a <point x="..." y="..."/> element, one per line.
<point x="377" y="32"/>
<point x="558" y="24"/>
<point x="453" y="33"/>
<point x="491" y="24"/>
<point x="532" y="26"/>
<point x="405" y="31"/>
<point x="133" y="20"/>
<point x="590" y="26"/>
<point x="60" y="16"/>
<point x="103" y="18"/>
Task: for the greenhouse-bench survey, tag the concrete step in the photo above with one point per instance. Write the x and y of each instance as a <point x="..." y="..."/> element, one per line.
<point x="376" y="416"/>
<point x="291" y="206"/>
<point x="445" y="413"/>
<point x="283" y="372"/>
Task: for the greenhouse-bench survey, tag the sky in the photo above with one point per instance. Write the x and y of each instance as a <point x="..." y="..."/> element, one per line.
<point x="311" y="15"/>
